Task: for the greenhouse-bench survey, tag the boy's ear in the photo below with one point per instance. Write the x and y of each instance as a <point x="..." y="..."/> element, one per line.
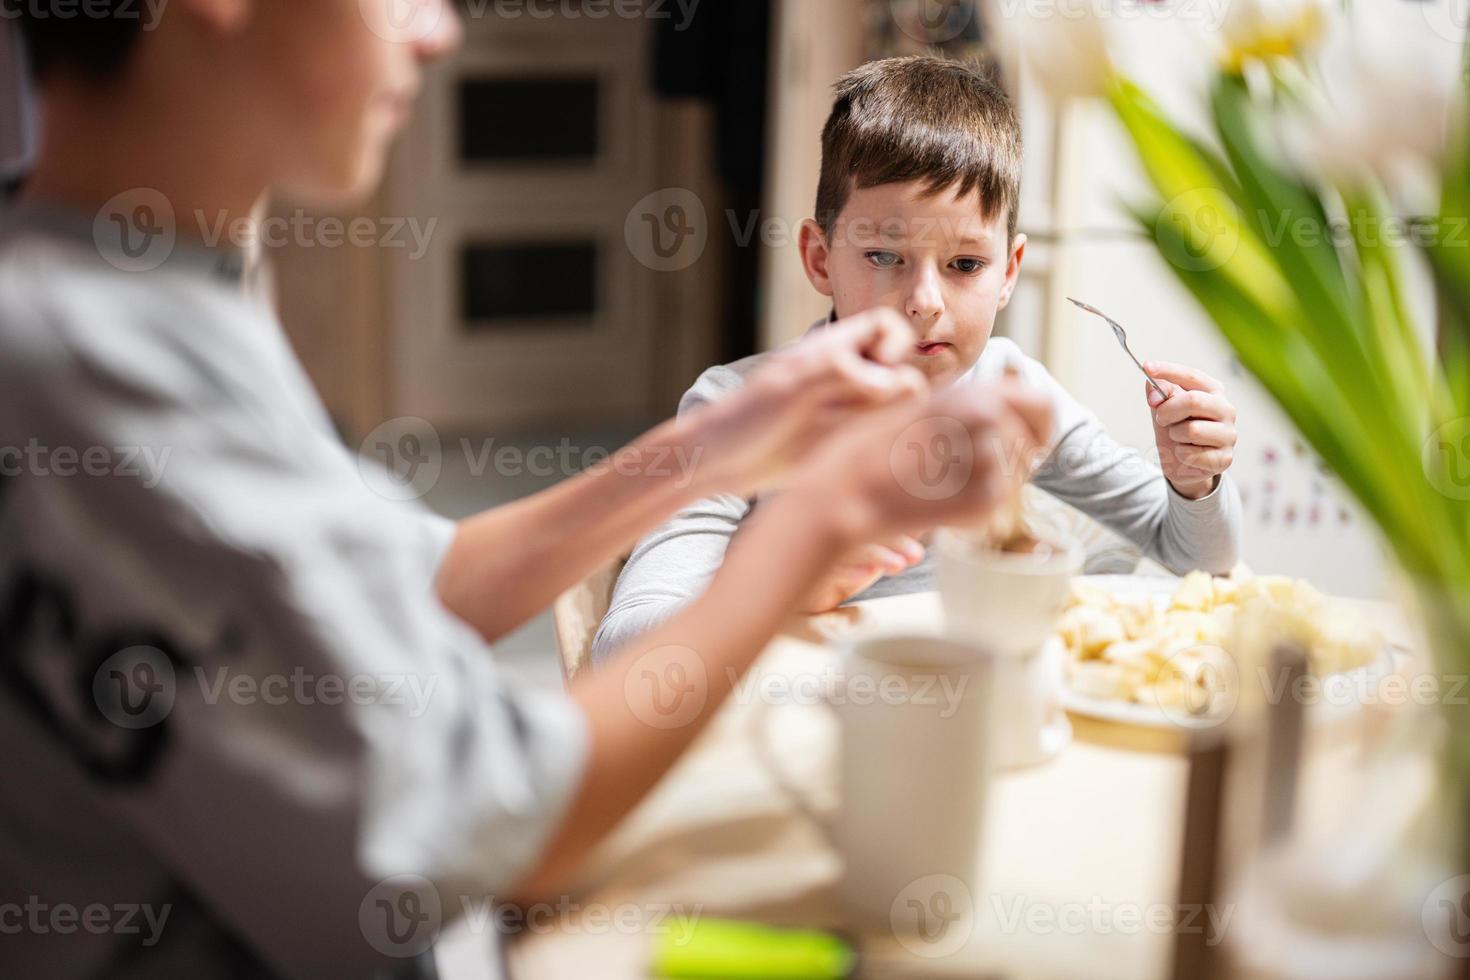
<point x="815" y="254"/>
<point x="221" y="15"/>
<point x="1013" y="269"/>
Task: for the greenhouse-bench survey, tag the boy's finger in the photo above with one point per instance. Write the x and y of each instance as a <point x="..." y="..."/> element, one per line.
<point x="879" y="334"/>
<point x="909" y="547"/>
<point x="1198" y="432"/>
<point x="1032" y="407"/>
<point x="1184" y="376"/>
<point x="1152" y="393"/>
<point x="1184" y="405"/>
<point x="1209" y="461"/>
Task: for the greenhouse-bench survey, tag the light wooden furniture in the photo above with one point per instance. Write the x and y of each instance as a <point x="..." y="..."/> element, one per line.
<point x="1077" y="853"/>
<point x="578" y="612"/>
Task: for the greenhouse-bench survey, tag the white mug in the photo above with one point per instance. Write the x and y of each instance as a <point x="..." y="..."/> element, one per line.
<point x="1009" y="603"/>
<point x="914" y="716"/>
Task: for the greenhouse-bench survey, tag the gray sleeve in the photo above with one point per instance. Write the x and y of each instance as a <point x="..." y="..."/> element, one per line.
<point x="675" y="562"/>
<point x="1117" y="487"/>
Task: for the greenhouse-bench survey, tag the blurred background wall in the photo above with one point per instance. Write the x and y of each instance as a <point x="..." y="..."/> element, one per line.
<point x="609" y="204"/>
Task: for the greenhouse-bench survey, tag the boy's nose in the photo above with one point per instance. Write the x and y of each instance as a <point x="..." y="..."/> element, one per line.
<point x="926" y="299"/>
<point x="447" y="34"/>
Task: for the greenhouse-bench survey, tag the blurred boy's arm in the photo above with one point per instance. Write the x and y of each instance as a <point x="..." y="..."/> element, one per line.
<point x="649" y="703"/>
<point x="507" y="564"/>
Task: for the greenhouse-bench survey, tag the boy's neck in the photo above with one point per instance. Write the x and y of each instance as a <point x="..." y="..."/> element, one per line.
<point x="97" y="145"/>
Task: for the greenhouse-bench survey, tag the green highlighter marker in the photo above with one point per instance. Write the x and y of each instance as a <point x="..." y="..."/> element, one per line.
<point x="720" y="949"/>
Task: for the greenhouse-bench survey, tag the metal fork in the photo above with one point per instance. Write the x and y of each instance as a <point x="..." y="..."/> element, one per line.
<point x="1122" y="336"/>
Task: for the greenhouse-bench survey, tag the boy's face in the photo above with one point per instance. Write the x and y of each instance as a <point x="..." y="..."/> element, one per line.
<point x="932" y="257"/>
<point x="339" y="81"/>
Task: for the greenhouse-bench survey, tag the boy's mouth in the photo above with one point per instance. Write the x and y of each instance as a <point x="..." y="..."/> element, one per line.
<point x="930" y="348"/>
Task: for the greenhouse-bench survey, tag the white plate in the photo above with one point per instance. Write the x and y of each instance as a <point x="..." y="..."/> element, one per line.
<point x="1162" y="589"/>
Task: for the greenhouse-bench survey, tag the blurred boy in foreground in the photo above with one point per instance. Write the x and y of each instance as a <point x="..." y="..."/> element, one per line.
<point x="162" y="750"/>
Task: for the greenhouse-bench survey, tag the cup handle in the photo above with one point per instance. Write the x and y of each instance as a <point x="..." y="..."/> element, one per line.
<point x="760" y="732"/>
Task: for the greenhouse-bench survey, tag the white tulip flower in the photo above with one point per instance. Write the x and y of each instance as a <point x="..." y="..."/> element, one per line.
<point x="1390" y="84"/>
<point x="1255" y="30"/>
<point x="1068" y="44"/>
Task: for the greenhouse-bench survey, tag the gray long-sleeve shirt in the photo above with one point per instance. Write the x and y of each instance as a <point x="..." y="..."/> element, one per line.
<point x="241" y="735"/>
<point x="1086" y="468"/>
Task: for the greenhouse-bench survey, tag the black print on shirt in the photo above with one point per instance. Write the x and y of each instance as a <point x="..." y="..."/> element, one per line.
<point x="105" y="696"/>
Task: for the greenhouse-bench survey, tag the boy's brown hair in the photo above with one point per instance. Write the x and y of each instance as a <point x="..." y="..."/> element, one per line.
<point x="946" y="123"/>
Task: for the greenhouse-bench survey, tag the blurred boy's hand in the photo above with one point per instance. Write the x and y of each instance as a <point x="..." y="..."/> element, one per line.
<point x="1194" y="427"/>
<point x="950" y="459"/>
<point x="864" y="566"/>
<point x="802" y="393"/>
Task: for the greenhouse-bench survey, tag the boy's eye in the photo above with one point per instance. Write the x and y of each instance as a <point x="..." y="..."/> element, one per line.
<point x="883" y="260"/>
<point x="968" y="266"/>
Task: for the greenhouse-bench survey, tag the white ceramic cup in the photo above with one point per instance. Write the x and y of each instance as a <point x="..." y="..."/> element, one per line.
<point x="914" y="715"/>
<point x="1009" y="603"/>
